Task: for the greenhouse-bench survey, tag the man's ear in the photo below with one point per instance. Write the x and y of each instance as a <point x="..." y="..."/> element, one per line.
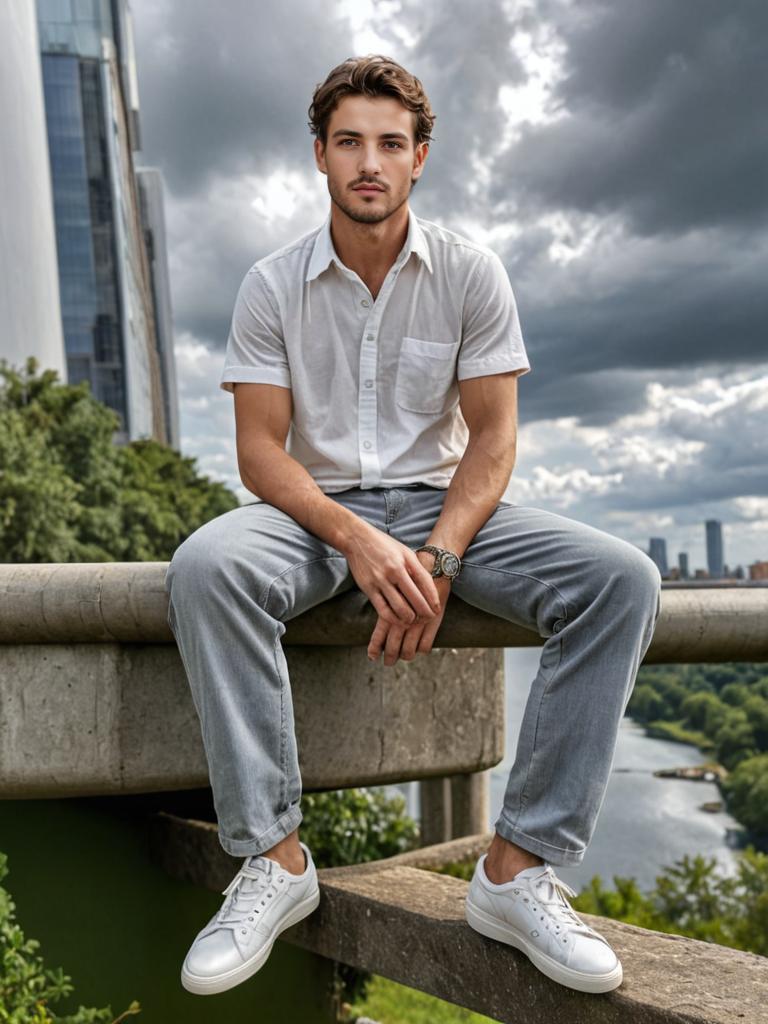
<point x="419" y="158"/>
<point x="320" y="156"/>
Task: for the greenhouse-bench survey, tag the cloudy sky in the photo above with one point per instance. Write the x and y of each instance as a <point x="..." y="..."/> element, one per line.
<point x="612" y="153"/>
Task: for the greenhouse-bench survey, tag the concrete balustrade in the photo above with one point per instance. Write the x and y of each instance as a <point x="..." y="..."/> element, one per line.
<point x="126" y="602"/>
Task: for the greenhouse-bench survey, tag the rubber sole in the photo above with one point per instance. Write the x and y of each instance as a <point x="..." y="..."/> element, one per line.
<point x="229" y="979"/>
<point x="504" y="932"/>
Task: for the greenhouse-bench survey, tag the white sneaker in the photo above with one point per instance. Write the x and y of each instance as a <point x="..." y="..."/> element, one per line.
<point x="263" y="899"/>
<point x="532" y="914"/>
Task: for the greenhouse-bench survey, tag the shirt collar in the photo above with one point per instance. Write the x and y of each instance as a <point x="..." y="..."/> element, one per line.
<point x="323" y="252"/>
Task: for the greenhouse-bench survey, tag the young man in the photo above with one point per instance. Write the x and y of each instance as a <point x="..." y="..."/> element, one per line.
<point x="374" y="367"/>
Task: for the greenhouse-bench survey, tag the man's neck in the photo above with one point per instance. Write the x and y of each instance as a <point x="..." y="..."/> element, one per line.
<point x="369" y="249"/>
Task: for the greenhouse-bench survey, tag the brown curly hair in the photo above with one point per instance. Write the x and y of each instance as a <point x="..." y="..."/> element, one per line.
<point x="372" y="75"/>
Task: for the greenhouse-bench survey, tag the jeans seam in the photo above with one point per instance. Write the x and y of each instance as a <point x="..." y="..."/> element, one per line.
<point x="525" y="575"/>
<point x="283" y="737"/>
<point x="264" y="600"/>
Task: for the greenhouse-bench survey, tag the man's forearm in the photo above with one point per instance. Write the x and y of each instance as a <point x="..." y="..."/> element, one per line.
<point x="480" y="479"/>
<point x="277" y="478"/>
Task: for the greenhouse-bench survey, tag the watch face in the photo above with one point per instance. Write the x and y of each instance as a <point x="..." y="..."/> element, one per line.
<point x="450" y="565"/>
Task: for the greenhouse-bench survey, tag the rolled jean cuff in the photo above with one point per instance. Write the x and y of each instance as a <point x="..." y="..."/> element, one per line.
<point x="285" y="824"/>
<point x="556" y="855"/>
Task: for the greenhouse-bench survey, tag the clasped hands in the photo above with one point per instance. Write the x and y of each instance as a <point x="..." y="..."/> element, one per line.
<point x="398" y="582"/>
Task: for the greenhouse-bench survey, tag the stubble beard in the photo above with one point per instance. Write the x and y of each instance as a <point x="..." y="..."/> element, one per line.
<point x="364" y="214"/>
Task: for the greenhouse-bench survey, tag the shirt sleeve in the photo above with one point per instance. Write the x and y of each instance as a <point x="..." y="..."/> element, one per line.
<point x="255" y="347"/>
<point x="492" y="341"/>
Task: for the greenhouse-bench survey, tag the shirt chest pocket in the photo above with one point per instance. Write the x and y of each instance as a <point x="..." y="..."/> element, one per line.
<point x="426" y="373"/>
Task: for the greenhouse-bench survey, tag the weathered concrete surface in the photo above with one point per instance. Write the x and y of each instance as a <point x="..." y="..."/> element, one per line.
<point x="90" y="719"/>
<point x="408" y="924"/>
<point x="126" y="601"/>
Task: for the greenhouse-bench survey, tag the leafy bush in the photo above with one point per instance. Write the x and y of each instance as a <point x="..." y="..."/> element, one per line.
<point x="27" y="987"/>
<point x="350" y="826"/>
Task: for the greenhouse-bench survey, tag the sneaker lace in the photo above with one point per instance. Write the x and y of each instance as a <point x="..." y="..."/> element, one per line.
<point x="551" y="892"/>
<point x="249" y="891"/>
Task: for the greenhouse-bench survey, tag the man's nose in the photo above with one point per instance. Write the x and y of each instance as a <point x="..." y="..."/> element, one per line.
<point x="369" y="160"/>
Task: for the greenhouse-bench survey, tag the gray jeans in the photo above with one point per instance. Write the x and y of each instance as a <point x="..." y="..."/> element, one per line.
<point x="594" y="598"/>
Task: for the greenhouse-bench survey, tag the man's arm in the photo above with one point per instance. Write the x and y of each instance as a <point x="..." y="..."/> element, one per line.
<point x="388" y="572"/>
<point x="489" y="407"/>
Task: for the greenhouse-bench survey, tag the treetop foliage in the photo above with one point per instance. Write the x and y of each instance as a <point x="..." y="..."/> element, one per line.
<point x="68" y="493"/>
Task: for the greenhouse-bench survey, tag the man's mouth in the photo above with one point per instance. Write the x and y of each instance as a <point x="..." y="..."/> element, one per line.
<point x="367" y="188"/>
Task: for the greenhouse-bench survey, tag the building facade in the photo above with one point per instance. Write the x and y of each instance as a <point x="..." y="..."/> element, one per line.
<point x="658" y="554"/>
<point x="30" y="317"/>
<point x="714" y="534"/>
<point x="105" y="277"/>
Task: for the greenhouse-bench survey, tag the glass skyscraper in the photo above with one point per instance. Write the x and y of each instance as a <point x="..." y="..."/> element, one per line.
<point x="658" y="554"/>
<point x="105" y="275"/>
<point x="714" y="531"/>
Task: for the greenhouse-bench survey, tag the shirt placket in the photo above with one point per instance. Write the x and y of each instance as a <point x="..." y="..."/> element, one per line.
<point x="368" y="397"/>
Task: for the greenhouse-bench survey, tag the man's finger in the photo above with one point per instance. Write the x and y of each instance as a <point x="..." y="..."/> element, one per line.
<point x="419" y="601"/>
<point x="378" y="637"/>
<point x="392" y="646"/>
<point x="425" y="581"/>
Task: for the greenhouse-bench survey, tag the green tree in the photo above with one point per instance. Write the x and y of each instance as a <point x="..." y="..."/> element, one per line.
<point x="69" y="494"/>
<point x="746" y="791"/>
<point x="735" y="740"/>
<point x="697" y="708"/>
<point x="646" y="704"/>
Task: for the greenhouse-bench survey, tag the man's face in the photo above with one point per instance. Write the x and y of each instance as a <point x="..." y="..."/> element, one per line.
<point x="370" y="142"/>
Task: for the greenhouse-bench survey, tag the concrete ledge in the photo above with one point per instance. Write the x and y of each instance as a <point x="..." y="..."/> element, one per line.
<point x="126" y="601"/>
<point x="408" y="924"/>
<point x="90" y="719"/>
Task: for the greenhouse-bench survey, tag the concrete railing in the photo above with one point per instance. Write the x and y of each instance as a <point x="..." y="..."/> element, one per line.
<point x="125" y="602"/>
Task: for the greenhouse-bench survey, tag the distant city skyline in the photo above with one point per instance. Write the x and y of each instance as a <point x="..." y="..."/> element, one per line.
<point x="717" y="567"/>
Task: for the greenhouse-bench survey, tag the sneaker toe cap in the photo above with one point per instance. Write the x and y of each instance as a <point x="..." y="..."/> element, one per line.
<point x="592" y="956"/>
<point x="212" y="955"/>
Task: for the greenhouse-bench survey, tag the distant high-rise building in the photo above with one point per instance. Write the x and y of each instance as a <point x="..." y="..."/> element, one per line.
<point x="758" y="571"/>
<point x="153" y="218"/>
<point x="105" y="274"/>
<point x="30" y="315"/>
<point x="658" y="554"/>
<point x="714" y="531"/>
<point x="682" y="562"/>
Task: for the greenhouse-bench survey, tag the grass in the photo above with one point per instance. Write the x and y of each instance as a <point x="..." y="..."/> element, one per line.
<point x="390" y="1003"/>
<point x="677" y="732"/>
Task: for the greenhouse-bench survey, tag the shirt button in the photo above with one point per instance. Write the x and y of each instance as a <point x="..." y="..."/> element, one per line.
<point x="369" y="383"/>
<point x="365" y="303"/>
<point x="366" y="444"/>
<point x="369" y="337"/>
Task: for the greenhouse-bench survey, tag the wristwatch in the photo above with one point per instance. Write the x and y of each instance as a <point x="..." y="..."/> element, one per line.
<point x="446" y="564"/>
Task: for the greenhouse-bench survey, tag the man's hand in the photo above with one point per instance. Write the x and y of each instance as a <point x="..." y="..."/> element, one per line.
<point x="398" y="641"/>
<point x="392" y="576"/>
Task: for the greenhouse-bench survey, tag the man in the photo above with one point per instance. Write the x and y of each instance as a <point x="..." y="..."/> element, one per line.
<point x="374" y="367"/>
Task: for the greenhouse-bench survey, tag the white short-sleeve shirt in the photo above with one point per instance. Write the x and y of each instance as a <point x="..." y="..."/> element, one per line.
<point x="375" y="384"/>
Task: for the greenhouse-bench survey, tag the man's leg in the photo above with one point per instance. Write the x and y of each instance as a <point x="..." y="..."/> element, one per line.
<point x="596" y="599"/>
<point x="232" y="584"/>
